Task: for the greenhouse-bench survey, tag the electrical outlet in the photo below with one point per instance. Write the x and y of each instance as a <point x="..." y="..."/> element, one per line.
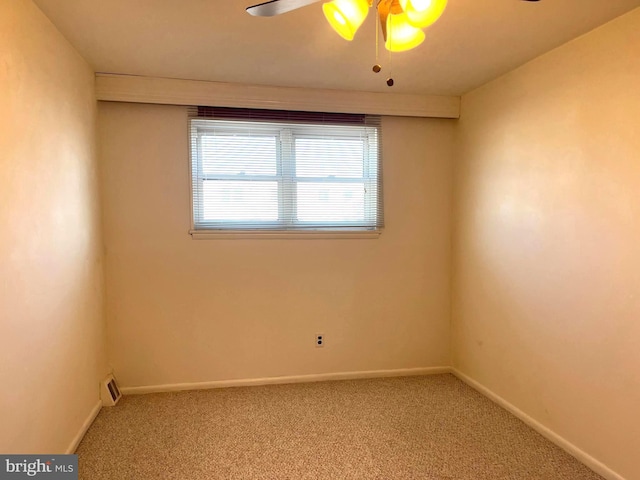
<point x="319" y="340"/>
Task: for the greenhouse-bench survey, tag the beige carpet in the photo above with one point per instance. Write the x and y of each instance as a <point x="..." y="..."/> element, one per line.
<point x="432" y="428"/>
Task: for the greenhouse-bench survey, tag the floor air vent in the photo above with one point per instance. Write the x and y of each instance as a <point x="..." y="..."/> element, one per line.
<point x="109" y="392"/>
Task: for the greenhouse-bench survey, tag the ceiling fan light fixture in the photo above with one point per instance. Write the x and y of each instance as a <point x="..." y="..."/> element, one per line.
<point x="346" y="16"/>
<point x="423" y="13"/>
<point x="401" y="35"/>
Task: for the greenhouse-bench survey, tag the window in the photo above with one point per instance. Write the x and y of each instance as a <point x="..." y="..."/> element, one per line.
<point x="261" y="170"/>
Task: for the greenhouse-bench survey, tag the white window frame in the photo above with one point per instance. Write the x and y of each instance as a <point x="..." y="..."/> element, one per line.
<point x="286" y="226"/>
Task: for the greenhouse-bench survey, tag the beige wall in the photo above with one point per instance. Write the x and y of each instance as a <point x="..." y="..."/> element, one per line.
<point x="51" y="310"/>
<point x="546" y="309"/>
<point x="183" y="310"/>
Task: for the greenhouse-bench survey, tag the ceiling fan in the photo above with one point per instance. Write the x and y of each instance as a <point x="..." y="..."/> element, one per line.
<point x="346" y="16"/>
<point x="402" y="21"/>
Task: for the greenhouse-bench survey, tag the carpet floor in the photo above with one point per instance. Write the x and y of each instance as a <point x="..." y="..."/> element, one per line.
<point x="432" y="427"/>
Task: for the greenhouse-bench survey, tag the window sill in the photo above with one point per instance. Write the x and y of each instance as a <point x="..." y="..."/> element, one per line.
<point x="279" y="235"/>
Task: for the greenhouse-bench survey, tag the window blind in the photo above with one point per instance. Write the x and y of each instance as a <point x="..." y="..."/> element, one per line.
<point x="281" y="170"/>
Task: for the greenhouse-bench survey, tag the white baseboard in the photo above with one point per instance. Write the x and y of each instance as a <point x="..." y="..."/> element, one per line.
<point x="85" y="426"/>
<point x="403" y="372"/>
<point x="595" y="465"/>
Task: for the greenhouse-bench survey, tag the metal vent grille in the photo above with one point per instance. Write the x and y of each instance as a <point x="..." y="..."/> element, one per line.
<point x="109" y="392"/>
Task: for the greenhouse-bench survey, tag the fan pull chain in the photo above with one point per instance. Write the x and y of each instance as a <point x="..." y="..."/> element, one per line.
<point x="377" y="67"/>
<point x="390" y="79"/>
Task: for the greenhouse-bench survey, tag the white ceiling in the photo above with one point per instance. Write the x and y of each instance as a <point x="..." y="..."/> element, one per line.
<point x="474" y="41"/>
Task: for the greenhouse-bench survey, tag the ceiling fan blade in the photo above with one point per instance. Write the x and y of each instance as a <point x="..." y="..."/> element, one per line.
<point x="276" y="7"/>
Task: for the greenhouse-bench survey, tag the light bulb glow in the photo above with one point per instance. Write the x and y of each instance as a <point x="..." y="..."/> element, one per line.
<point x="401" y="35"/>
<point x="346" y="16"/>
<point x="421" y="5"/>
<point x="423" y="13"/>
<point x="339" y="18"/>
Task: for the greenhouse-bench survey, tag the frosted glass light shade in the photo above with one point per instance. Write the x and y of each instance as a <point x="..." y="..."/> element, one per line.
<point x="422" y="13"/>
<point x="401" y="35"/>
<point x="346" y="16"/>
